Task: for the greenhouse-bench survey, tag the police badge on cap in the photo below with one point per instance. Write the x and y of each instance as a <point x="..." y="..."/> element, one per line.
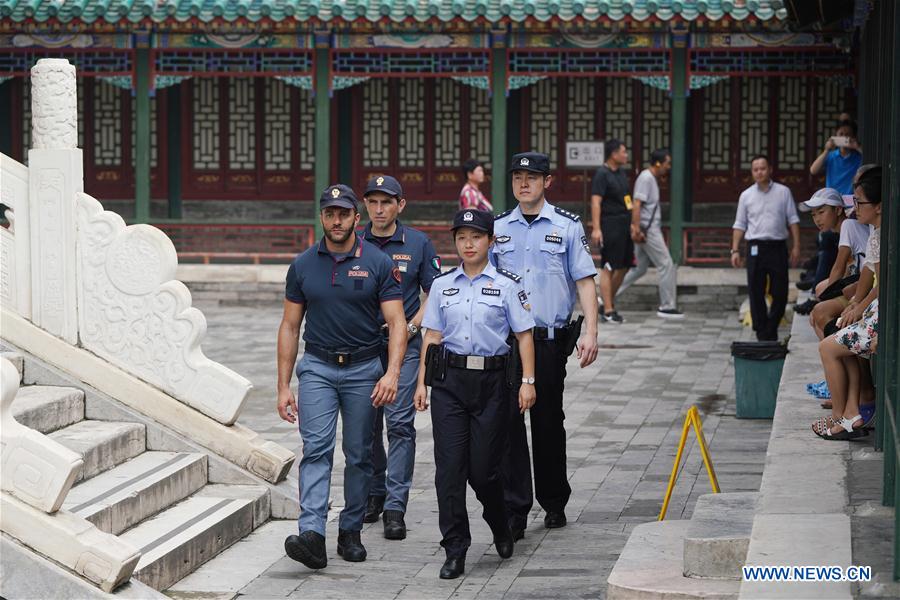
<point x="475" y="219"/>
<point x="534" y="162"/>
<point x="338" y="195"/>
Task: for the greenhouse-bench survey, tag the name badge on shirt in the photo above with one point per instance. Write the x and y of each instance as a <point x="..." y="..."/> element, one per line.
<point x="502" y="239"/>
<point x="451" y="291"/>
<point x="402" y="267"/>
<point x="490" y="291"/>
<point x="553" y="238"/>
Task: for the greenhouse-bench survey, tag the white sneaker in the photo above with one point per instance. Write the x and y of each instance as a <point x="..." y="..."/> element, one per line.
<point x="669" y="313"/>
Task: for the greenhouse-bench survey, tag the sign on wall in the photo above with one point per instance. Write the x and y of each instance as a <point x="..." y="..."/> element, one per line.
<point x="584" y="154"/>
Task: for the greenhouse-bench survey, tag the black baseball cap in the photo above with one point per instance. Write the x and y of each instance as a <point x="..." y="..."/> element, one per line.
<point x="536" y="162"/>
<point x="338" y="195"/>
<point x="385" y="184"/>
<point x="476" y="219"/>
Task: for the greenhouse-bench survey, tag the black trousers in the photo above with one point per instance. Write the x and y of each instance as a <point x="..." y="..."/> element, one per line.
<point x="548" y="440"/>
<point x="768" y="261"/>
<point x="469" y="412"/>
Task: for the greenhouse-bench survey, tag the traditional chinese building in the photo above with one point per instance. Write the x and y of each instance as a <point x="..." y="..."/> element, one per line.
<point x="220" y="109"/>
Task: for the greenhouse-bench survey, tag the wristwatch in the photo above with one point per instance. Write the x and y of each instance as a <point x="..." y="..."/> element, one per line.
<point x="528" y="380"/>
<point x="412" y="329"/>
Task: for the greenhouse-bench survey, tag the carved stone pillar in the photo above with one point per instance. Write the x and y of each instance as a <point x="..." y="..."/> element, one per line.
<point x="55" y="176"/>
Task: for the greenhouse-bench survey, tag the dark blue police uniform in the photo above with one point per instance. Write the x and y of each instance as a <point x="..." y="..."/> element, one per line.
<point x="417" y="262"/>
<point x="341" y="364"/>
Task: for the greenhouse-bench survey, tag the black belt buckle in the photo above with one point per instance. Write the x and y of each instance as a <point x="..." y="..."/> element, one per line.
<point x="342" y="358"/>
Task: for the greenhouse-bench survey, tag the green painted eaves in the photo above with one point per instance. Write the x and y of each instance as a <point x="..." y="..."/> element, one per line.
<point x="162" y="11"/>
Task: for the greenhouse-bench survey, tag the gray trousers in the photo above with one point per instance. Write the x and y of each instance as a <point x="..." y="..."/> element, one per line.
<point x="654" y="250"/>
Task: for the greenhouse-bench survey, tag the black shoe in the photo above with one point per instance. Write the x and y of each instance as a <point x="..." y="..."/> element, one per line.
<point x="373" y="509"/>
<point x="394" y="526"/>
<point x="350" y="547"/>
<point x="806" y="307"/>
<point x="555" y="519"/>
<point x="453" y="567"/>
<point x="307" y="548"/>
<point x="804" y="285"/>
<point x="517" y="533"/>
<point x="505" y="545"/>
<point x="613" y="317"/>
<point x="669" y="313"/>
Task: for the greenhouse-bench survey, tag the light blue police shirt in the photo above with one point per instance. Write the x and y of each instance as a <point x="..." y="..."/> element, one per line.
<point x="475" y="315"/>
<point x="550" y="254"/>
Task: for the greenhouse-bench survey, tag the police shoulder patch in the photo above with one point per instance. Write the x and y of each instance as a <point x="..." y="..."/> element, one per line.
<point x="453" y="270"/>
<point x="510" y="274"/>
<point x="567" y="214"/>
<point x="505" y="213"/>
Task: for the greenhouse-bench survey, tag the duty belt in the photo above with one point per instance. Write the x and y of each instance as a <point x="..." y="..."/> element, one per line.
<point x="344" y="358"/>
<point x="543" y="333"/>
<point x="476" y="363"/>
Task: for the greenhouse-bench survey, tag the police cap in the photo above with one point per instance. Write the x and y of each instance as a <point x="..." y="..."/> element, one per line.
<point x="476" y="219"/>
<point x="536" y="162"/>
<point x="385" y="184"/>
<point x="338" y="195"/>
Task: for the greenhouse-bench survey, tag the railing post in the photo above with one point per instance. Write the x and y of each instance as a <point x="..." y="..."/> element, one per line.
<point x="55" y="175"/>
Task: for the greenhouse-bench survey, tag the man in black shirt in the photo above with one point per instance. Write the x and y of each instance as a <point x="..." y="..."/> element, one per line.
<point x="611" y="233"/>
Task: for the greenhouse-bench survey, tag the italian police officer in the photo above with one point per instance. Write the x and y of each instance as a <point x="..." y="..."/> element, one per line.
<point x="547" y="246"/>
<point x="342" y="285"/>
<point x="415" y="258"/>
<point x="468" y="316"/>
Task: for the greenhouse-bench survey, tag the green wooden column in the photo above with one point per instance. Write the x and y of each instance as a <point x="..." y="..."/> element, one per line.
<point x="499" y="185"/>
<point x="678" y="145"/>
<point x="142" y="134"/>
<point x="173" y="153"/>
<point x="322" y="87"/>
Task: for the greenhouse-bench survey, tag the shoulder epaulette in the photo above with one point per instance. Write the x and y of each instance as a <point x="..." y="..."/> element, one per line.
<point x="453" y="270"/>
<point x="567" y="214"/>
<point x="505" y="213"/>
<point x="510" y="274"/>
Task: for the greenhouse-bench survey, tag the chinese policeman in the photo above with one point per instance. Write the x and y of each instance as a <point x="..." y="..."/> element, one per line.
<point x="414" y="256"/>
<point x="468" y="316"/>
<point x="547" y="246"/>
<point x="342" y="285"/>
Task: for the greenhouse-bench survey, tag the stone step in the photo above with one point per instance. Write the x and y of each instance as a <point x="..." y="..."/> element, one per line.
<point x="651" y="566"/>
<point x="16" y="359"/>
<point x="137" y="489"/>
<point x="719" y="535"/>
<point x="180" y="539"/>
<point x="258" y="495"/>
<point x="47" y="408"/>
<point x="102" y="444"/>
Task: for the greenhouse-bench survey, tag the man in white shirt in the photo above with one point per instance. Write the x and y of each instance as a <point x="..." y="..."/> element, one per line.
<point x="649" y="243"/>
<point x="766" y="211"/>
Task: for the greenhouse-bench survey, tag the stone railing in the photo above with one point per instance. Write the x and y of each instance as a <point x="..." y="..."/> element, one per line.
<point x="37" y="475"/>
<point x="102" y="289"/>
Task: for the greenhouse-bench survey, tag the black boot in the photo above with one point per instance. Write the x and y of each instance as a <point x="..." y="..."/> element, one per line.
<point x="453" y="567"/>
<point x="350" y="547"/>
<point x="555" y="519"/>
<point x="373" y="509"/>
<point x="394" y="526"/>
<point x="505" y="545"/>
<point x="307" y="548"/>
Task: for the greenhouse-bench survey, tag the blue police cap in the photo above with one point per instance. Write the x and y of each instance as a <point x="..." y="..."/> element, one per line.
<point x="476" y="219"/>
<point x="535" y="162"/>
<point x="338" y="195"/>
<point x="385" y="184"/>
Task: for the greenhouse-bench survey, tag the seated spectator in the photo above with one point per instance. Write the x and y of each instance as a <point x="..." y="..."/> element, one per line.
<point x="470" y="197"/>
<point x="835" y="292"/>
<point x="840" y="352"/>
<point x="827" y="208"/>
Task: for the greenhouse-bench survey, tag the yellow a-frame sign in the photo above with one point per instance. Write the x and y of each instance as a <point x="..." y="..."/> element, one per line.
<point x="691" y="418"/>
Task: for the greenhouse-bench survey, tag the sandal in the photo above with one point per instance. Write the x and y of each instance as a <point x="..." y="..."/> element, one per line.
<point x="820" y="425"/>
<point x="847" y="431"/>
<point x="867" y="411"/>
<point x="826" y="405"/>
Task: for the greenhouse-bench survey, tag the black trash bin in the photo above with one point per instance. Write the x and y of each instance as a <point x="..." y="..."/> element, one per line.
<point x="757" y="373"/>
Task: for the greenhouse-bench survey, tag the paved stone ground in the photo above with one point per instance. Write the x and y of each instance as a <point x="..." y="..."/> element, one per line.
<point x="623" y="417"/>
